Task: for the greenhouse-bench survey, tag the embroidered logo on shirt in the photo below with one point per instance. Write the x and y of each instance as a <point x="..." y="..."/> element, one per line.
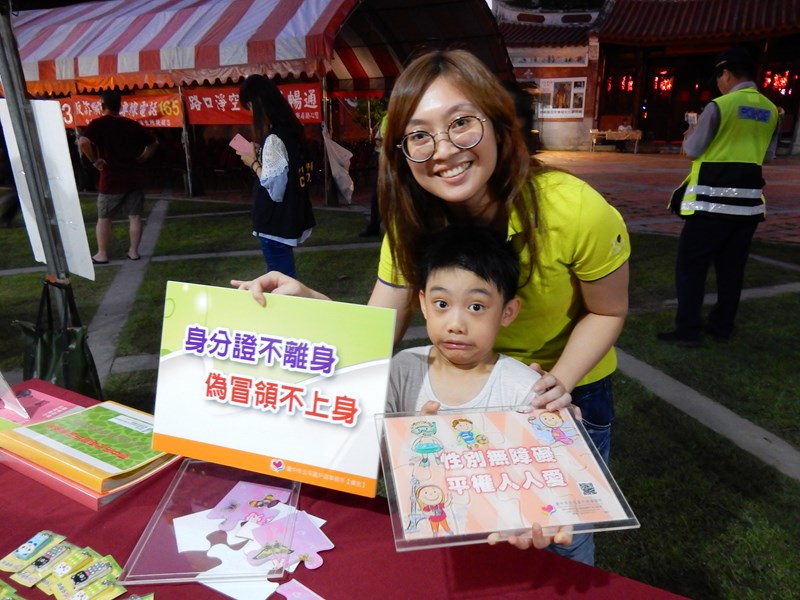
<point x="616" y="245"/>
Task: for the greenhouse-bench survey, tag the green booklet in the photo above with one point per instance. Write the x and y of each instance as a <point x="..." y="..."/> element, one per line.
<point x="102" y="447"/>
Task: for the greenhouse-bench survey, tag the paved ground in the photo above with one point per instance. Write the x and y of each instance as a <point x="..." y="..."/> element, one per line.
<point x="639" y="186"/>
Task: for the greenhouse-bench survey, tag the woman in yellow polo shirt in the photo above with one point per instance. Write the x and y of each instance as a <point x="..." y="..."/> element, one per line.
<point x="453" y="152"/>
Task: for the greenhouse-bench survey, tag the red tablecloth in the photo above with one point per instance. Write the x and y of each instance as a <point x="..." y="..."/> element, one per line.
<point x="364" y="563"/>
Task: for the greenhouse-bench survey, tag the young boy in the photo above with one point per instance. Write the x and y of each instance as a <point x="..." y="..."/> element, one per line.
<point x="470" y="277"/>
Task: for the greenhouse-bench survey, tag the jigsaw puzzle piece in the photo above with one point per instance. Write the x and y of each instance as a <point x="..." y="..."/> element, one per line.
<point x="248" y="501"/>
<point x="307" y="542"/>
<point x="257" y="588"/>
<point x="192" y="531"/>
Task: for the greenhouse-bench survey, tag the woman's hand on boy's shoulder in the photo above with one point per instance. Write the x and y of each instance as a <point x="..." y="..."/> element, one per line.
<point x="550" y="392"/>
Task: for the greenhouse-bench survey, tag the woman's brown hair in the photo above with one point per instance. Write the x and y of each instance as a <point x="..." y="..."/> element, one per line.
<point x="412" y="215"/>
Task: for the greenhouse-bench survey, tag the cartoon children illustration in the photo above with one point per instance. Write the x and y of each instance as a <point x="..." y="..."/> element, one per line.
<point x="431" y="500"/>
<point x="426" y="442"/>
<point x="467" y="435"/>
<point x="464" y="432"/>
<point x="552" y="421"/>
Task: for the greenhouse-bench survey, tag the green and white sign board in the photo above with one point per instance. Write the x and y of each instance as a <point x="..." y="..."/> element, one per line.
<point x="290" y="389"/>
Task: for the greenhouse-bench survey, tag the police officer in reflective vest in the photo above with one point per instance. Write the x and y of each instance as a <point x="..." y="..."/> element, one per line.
<point x="721" y="200"/>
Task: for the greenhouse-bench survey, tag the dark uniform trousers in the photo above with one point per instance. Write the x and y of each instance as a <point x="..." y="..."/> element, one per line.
<point x="707" y="240"/>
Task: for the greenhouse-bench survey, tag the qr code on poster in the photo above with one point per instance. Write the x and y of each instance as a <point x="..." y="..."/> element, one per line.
<point x="587" y="489"/>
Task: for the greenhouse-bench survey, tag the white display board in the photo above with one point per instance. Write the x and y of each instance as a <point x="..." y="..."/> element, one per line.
<point x="289" y="390"/>
<point x="60" y="177"/>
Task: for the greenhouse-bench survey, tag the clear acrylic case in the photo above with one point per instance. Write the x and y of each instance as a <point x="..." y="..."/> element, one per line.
<point x="199" y="487"/>
<point x="458" y="477"/>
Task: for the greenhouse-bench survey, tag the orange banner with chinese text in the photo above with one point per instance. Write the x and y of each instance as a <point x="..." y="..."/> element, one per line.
<point x="220" y="106"/>
<point x="204" y="106"/>
<point x="151" y="111"/>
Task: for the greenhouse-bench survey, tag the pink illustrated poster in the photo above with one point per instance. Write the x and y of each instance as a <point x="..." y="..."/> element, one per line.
<point x="454" y="478"/>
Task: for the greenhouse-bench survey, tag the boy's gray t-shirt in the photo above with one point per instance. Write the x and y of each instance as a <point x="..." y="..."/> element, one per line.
<point x="509" y="384"/>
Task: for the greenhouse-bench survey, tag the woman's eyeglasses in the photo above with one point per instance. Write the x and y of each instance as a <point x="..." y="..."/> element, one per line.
<point x="463" y="133"/>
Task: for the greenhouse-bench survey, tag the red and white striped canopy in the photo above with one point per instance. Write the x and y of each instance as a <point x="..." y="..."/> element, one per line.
<point x="137" y="43"/>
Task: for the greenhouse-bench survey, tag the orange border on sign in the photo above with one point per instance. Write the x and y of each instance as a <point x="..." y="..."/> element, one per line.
<point x="261" y="463"/>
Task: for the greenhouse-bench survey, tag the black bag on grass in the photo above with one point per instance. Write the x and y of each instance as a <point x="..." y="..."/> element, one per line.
<point x="59" y="352"/>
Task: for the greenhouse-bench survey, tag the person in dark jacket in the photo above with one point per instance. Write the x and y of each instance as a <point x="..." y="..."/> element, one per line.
<point x="282" y="214"/>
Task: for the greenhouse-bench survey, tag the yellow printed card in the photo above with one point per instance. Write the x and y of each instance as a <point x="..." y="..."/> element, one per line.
<point x="290" y="389"/>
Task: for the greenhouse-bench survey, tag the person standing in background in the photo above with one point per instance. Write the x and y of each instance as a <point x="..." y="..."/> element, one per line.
<point x="117" y="147"/>
<point x="282" y="214"/>
<point x="721" y="200"/>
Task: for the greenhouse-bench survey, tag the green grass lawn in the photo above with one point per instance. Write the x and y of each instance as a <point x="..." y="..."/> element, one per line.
<point x="716" y="522"/>
<point x="184" y="234"/>
<point x="653" y="269"/>
<point x="789" y="253"/>
<point x="345" y="275"/>
<point x="755" y="375"/>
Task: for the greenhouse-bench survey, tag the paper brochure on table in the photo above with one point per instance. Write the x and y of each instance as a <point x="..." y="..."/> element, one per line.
<point x="290" y="389"/>
<point x="456" y="477"/>
<point x="30" y="406"/>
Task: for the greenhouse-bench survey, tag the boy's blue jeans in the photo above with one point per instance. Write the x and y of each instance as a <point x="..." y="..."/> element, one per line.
<point x="279" y="256"/>
<point x="597" y="410"/>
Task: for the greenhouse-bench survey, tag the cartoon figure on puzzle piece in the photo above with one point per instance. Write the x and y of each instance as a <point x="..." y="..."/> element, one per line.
<point x="549" y="427"/>
<point x="276" y="552"/>
<point x="465" y="431"/>
<point x="269" y="501"/>
<point x="247" y="503"/>
<point x="432" y="500"/>
<point x="307" y="541"/>
<point x="426" y="443"/>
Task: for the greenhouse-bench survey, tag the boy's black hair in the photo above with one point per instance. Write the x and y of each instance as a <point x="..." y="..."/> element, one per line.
<point x="478" y="250"/>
